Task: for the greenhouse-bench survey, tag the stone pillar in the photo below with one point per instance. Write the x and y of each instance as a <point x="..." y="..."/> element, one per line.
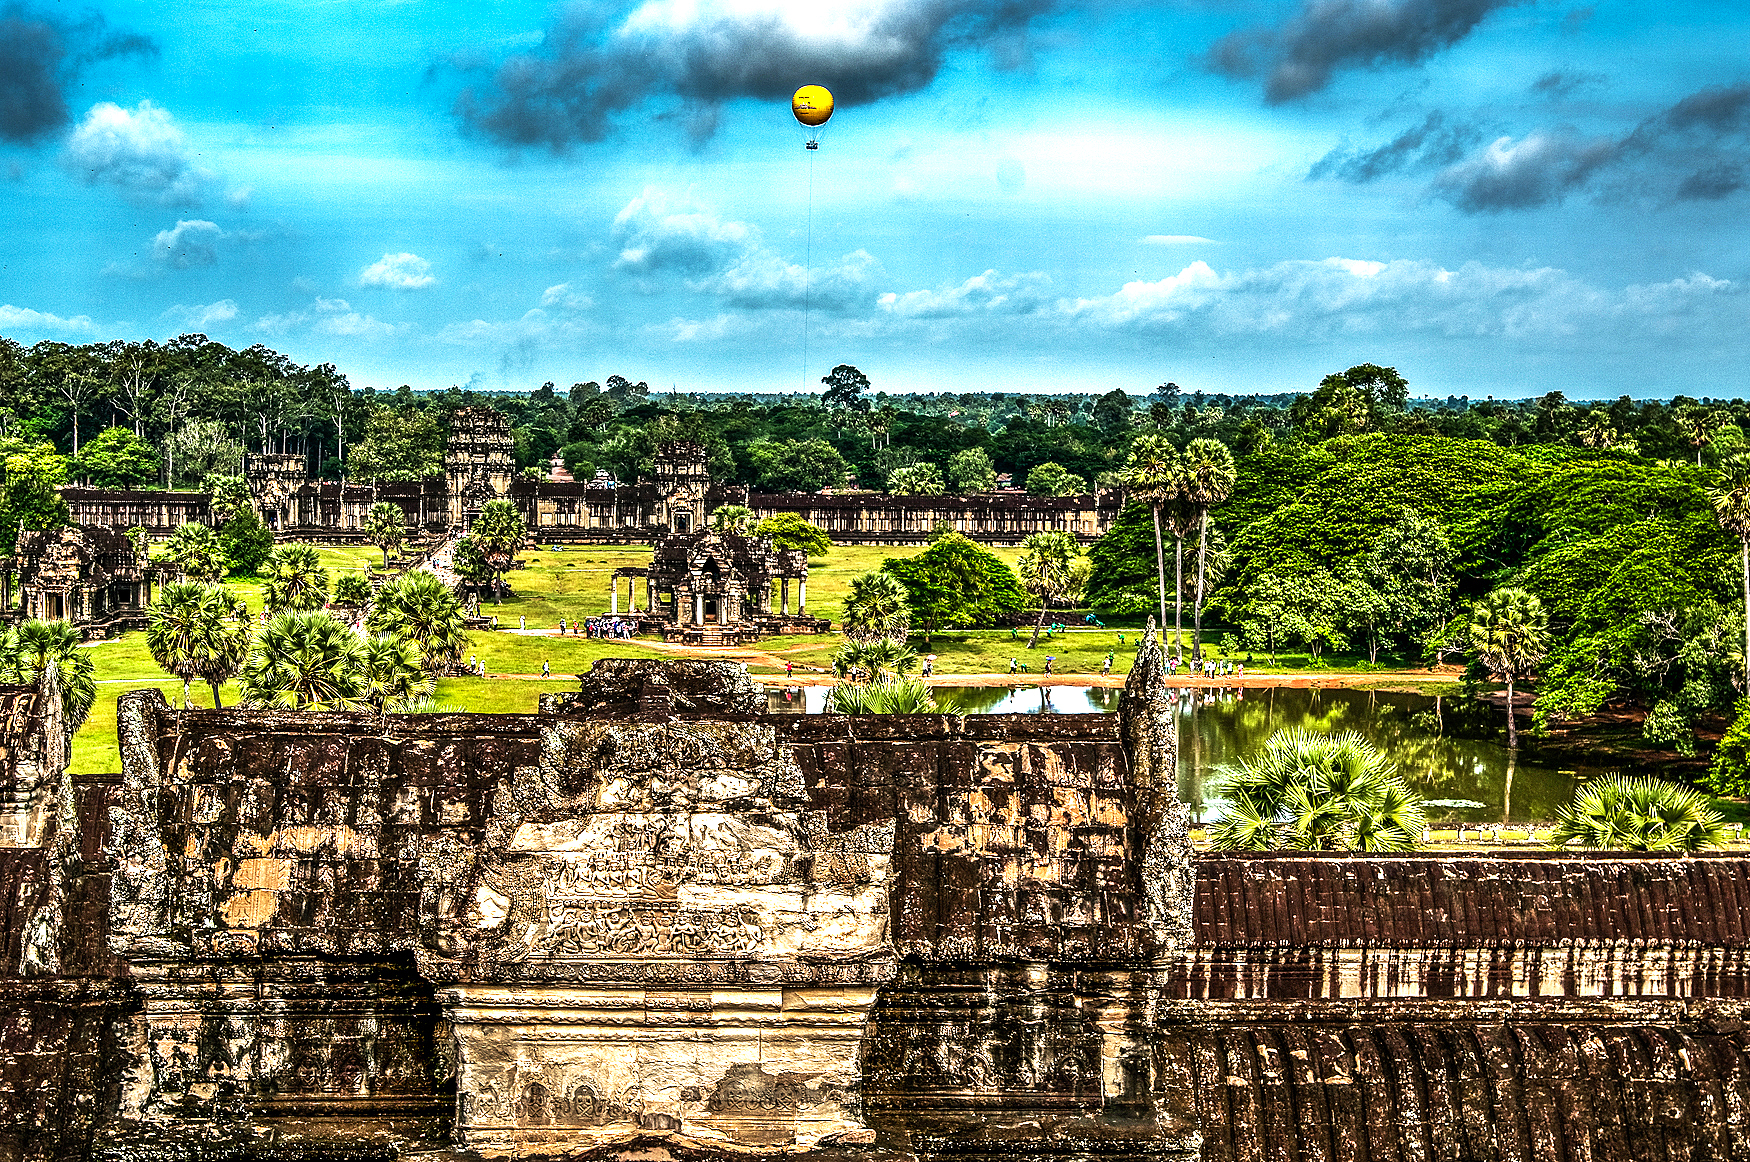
<point x="801" y="596"/>
<point x="649" y="594"/>
<point x="698" y="608"/>
<point x="614" y="595"/>
<point x="784" y="596"/>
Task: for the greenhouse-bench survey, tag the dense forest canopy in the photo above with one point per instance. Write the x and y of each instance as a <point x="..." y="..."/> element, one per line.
<point x="1361" y="519"/>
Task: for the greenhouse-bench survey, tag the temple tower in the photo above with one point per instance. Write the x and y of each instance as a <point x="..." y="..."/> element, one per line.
<point x="682" y="481"/>
<point x="479" y="460"/>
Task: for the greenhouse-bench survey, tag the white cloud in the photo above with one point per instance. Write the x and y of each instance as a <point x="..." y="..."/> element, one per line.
<point x="24" y="319"/>
<point x="1339" y="296"/>
<point x="662" y="239"/>
<point x="191" y="242"/>
<point x="402" y="271"/>
<point x="1179" y="240"/>
<point x="140" y="151"/>
<point x="333" y="317"/>
<point x="566" y="299"/>
<point x="199" y="318"/>
<point x="989" y="293"/>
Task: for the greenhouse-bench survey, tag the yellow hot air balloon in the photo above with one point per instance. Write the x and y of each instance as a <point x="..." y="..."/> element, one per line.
<point x="812" y="106"/>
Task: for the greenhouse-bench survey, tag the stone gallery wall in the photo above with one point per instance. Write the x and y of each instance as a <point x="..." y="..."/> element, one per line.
<point x="650" y="921"/>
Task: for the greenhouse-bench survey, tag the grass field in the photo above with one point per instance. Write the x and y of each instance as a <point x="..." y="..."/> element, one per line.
<point x="573" y="583"/>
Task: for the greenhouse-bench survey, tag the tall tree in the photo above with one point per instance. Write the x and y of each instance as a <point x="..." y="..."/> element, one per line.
<point x="956" y="584"/>
<point x="295" y="580"/>
<point x="498" y="533"/>
<point x="1151" y="476"/>
<point x="195" y="551"/>
<point x="1730" y="496"/>
<point x="1209" y="476"/>
<point x="31" y="475"/>
<point x="386" y="525"/>
<point x="419" y="606"/>
<point x="971" y="470"/>
<point x="1051" y="568"/>
<point x="876" y="609"/>
<point x="1511" y="634"/>
<point x="305" y="660"/>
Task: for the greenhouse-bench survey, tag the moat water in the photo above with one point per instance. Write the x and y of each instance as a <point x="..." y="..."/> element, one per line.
<point x="1465" y="778"/>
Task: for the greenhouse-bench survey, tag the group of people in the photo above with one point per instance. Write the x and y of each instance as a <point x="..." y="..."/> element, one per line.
<point x="1207" y="668"/>
<point x="617" y="628"/>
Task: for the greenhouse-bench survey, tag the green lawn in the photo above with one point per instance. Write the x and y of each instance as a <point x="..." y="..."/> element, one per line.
<point x="573" y="583"/>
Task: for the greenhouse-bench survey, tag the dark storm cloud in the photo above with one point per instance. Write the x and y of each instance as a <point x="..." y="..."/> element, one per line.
<point x="1698" y="149"/>
<point x="1434" y="142"/>
<point x="595" y="67"/>
<point x="1539" y="168"/>
<point x="40" y="55"/>
<point x="1326" y="36"/>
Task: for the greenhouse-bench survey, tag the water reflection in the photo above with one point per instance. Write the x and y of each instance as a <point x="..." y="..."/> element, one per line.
<point x="1469" y="779"/>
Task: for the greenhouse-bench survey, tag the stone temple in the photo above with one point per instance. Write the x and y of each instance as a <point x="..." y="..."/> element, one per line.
<point x="651" y="922"/>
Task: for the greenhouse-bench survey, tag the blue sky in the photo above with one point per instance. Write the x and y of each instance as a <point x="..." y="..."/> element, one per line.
<point x="1234" y="195"/>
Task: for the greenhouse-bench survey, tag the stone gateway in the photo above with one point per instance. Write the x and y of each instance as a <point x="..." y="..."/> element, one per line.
<point x="652" y="922"/>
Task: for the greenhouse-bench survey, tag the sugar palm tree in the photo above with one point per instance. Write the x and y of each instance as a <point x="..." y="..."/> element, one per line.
<point x="1511" y="634"/>
<point x="1731" y="500"/>
<point x="296" y="580"/>
<point x="305" y="660"/>
<point x="195" y="551"/>
<point x="393" y="673"/>
<point x="881" y="659"/>
<point x="1209" y="480"/>
<point x="889" y="696"/>
<point x="1048" y="569"/>
<point x="498" y="534"/>
<point x="386" y="526"/>
<point x="35" y="646"/>
<point x="418" y="606"/>
<point x="1151" y="476"/>
<point x="193" y="631"/>
<point x="1313" y="791"/>
<point x="876" y="609"/>
<point x="1629" y="813"/>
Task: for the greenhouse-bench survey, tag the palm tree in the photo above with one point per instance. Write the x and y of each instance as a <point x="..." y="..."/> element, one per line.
<point x="1597" y="432"/>
<point x="420" y="607"/>
<point x="498" y="534"/>
<point x="1151" y="475"/>
<point x="1697" y="423"/>
<point x="394" y="674"/>
<point x="881" y="659"/>
<point x="1731" y="500"/>
<point x="894" y="696"/>
<point x="876" y="609"/>
<point x="296" y="580"/>
<point x="386" y="526"/>
<point x="1048" y="569"/>
<point x="194" y="631"/>
<point x="352" y="590"/>
<point x="1629" y="813"/>
<point x="1209" y="480"/>
<point x="305" y="660"/>
<point x="35" y="646"/>
<point x="1312" y="791"/>
<point x="195" y="551"/>
<point x="732" y="518"/>
<point x="1511" y="634"/>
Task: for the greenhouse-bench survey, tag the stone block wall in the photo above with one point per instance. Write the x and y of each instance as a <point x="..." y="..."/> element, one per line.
<point x="652" y="922"/>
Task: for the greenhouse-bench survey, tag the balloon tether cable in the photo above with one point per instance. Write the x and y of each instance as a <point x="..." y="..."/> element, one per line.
<point x="807" y="270"/>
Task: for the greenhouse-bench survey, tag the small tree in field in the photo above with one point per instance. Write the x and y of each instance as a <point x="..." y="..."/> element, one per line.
<point x="387" y="528"/>
<point x="498" y="534"/>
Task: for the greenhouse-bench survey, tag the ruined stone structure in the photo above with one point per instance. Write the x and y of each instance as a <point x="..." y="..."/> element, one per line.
<point x="160" y="513"/>
<point x="479" y="466"/>
<point x="89" y="575"/>
<point x="712" y="588"/>
<point x="651" y="922"/>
